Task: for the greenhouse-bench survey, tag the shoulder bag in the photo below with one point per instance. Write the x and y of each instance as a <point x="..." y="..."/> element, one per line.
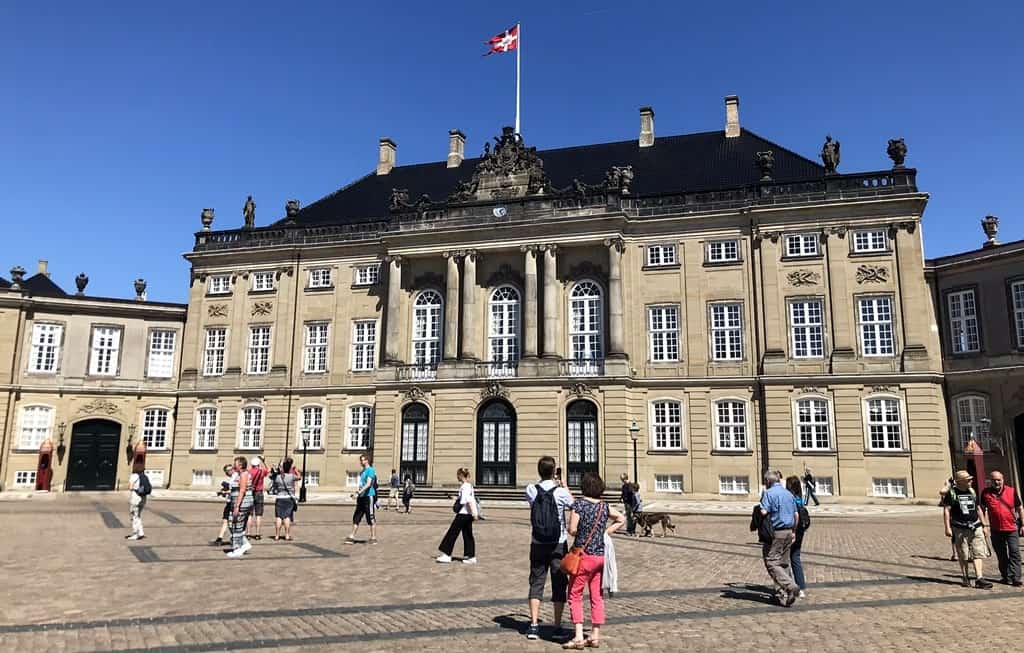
<point x="572" y="560"/>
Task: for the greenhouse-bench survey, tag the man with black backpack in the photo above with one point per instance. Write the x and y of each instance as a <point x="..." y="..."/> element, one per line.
<point x="139" y="489"/>
<point x="548" y="503"/>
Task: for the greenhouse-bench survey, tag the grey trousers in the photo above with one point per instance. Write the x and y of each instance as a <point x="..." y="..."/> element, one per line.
<point x="776" y="560"/>
<point x="1007" y="546"/>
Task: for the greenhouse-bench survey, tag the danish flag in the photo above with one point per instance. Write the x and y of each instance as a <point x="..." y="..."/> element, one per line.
<point x="504" y="42"/>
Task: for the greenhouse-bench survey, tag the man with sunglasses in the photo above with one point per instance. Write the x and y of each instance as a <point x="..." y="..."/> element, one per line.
<point x="1002" y="506"/>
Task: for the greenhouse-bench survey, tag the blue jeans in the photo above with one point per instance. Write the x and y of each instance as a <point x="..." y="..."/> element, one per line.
<point x="797" y="565"/>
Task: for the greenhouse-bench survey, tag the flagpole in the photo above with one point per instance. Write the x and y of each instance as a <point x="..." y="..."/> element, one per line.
<point x="519" y="48"/>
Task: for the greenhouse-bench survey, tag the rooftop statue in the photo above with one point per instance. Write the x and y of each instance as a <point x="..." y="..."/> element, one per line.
<point x="897" y="151"/>
<point x="249" y="213"/>
<point x="830" y="155"/>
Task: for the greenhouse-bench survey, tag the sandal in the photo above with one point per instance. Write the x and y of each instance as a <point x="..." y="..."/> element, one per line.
<point x="575" y="645"/>
<point x="592" y="643"/>
<point x="277" y="539"/>
<point x="288" y="538"/>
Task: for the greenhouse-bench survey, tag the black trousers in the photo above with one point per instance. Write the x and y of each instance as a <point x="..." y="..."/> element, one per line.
<point x="461" y="524"/>
<point x="1007" y="546"/>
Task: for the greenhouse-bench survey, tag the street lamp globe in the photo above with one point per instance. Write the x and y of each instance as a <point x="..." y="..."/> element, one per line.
<point x="634" y="431"/>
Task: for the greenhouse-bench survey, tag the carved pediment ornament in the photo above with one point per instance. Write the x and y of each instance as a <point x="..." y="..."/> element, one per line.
<point x="262" y="308"/>
<point x="759" y="235"/>
<point x="509" y="169"/>
<point x="585" y="270"/>
<point x="494" y="390"/>
<point x="400" y="202"/>
<point x="837" y="231"/>
<point x="803" y="278"/>
<point x="415" y="393"/>
<point x="505" y="274"/>
<point x="217" y="310"/>
<point x="883" y="388"/>
<point x="99" y="406"/>
<point x="579" y="389"/>
<point x="810" y="390"/>
<point x="872" y="274"/>
<point x="429" y="280"/>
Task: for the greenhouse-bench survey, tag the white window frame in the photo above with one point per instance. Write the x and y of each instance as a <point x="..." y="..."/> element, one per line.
<point x="319" y="277"/>
<point x="824" y="486"/>
<point x="806" y="336"/>
<point x="662" y="255"/>
<point x="881" y="331"/>
<point x="869" y="241"/>
<point x="40" y="427"/>
<point x="802" y="245"/>
<point x="316" y="347"/>
<point x="253" y="430"/>
<point x="971" y="412"/>
<point x="725" y="250"/>
<point x="261" y="339"/>
<point x="364" y="345"/>
<point x="726" y="334"/>
<point x="668" y="483"/>
<point x="218" y="284"/>
<point x="356" y="438"/>
<point x="663" y="333"/>
<point x="351" y="478"/>
<point x="734" y="484"/>
<point x="964" y="322"/>
<point x="504" y="325"/>
<point x="427" y="328"/>
<point x="885" y="424"/>
<point x="732" y="426"/>
<point x="1017" y="300"/>
<point x="306" y="422"/>
<point x="25" y="478"/>
<point x="47" y="340"/>
<point x="890" y="488"/>
<point x="202" y="477"/>
<point x="215" y="356"/>
<point x="204" y="436"/>
<point x="586" y="328"/>
<point x="105" y="350"/>
<point x="263" y="281"/>
<point x="663" y="430"/>
<point x="156" y="477"/>
<point x="156" y="435"/>
<point x="367" y="275"/>
<point x="813" y="425"/>
<point x="311" y="478"/>
<point x="160" y="359"/>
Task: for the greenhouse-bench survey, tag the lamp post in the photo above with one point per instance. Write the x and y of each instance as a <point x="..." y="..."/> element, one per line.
<point x="129" y="449"/>
<point x="61" y="449"/>
<point x="634" y="433"/>
<point x="305" y="446"/>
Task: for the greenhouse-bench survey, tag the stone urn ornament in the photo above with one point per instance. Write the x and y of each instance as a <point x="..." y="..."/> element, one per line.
<point x="17" y="276"/>
<point x="81" y="281"/>
<point x="990" y="225"/>
<point x="207" y="218"/>
<point x="140" y="290"/>
<point x="291" y="210"/>
<point x="766" y="163"/>
<point x="897" y="151"/>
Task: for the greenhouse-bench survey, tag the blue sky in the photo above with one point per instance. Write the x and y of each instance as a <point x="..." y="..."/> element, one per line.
<point x="120" y="121"/>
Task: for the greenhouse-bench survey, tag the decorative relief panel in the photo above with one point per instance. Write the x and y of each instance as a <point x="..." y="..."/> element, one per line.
<point x="99" y="406"/>
<point x="872" y="274"/>
<point x="217" y="310"/>
<point x="262" y="308"/>
<point x="803" y="278"/>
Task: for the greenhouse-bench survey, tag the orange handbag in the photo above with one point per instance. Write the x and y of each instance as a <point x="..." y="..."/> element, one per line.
<point x="574" y="558"/>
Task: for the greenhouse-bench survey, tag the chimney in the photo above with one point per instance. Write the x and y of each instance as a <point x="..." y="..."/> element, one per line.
<point x="732" y="116"/>
<point x="386" y="161"/>
<point x="456" y="148"/>
<point x="646" y="126"/>
<point x="43" y="268"/>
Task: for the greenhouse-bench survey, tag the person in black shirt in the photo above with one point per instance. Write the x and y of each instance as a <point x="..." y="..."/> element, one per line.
<point x="628" y="497"/>
<point x="810" y="487"/>
<point x="964" y="524"/>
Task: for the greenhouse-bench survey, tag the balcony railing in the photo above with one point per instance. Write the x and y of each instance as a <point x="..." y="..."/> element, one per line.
<point x="497" y="369"/>
<point x="417" y="372"/>
<point x="582" y="367"/>
<point x="288" y="235"/>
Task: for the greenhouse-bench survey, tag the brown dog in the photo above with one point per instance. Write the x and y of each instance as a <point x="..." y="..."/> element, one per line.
<point x="648" y="520"/>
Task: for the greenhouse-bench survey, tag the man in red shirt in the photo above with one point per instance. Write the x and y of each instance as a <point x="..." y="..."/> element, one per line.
<point x="1002" y="505"/>
<point x="258" y="473"/>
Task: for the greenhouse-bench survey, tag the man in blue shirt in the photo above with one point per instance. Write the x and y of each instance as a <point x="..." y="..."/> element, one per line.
<point x="365" y="499"/>
<point x="779" y="506"/>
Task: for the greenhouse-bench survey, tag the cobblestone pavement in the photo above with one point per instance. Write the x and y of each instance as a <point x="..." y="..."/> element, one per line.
<point x="72" y="583"/>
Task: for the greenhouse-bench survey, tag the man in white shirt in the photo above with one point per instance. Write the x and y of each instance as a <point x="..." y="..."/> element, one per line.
<point x="136" y="502"/>
<point x="547" y="545"/>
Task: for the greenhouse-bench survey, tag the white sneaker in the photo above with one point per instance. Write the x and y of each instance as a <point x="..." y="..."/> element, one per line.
<point x="469" y="561"/>
<point x="802" y="595"/>
<point x="443" y="559"/>
<point x="245" y="547"/>
<point x="237" y="553"/>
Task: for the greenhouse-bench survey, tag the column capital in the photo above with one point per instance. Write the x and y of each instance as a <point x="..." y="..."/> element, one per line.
<point x="452" y="253"/>
<point x="549" y="247"/>
<point x="615" y="243"/>
<point x="531" y="248"/>
<point x="392" y="258"/>
<point x="472" y="255"/>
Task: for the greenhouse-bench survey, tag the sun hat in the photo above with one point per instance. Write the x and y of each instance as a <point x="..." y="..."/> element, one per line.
<point x="962" y="476"/>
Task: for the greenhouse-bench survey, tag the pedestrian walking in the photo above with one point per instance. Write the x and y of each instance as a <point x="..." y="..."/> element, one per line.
<point x="465" y="509"/>
<point x="964" y="524"/>
<point x="241" y="506"/>
<point x="590" y="519"/>
<point x="943" y="493"/>
<point x="778" y="507"/>
<point x="225" y="493"/>
<point x="549" y="501"/>
<point x="803" y="522"/>
<point x="258" y="471"/>
<point x="139" y="488"/>
<point x="1002" y="506"/>
<point x="628" y="497"/>
<point x="394" y="485"/>
<point x="408" y="489"/>
<point x="810" y="488"/>
<point x="285" y="505"/>
<point x="366" y="502"/>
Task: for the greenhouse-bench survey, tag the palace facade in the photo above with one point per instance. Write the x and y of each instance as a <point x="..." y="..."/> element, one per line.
<point x="698" y="307"/>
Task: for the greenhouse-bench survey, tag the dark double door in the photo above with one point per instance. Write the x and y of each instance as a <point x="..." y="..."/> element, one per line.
<point x="92" y="459"/>
<point x="581" y="441"/>
<point x="496" y="445"/>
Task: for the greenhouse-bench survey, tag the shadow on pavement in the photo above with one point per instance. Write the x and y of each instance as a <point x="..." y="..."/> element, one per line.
<point x="755" y="593"/>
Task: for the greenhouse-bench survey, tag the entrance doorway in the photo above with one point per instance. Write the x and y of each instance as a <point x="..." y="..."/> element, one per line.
<point x="581" y="441"/>
<point x="415" y="425"/>
<point x="92" y="458"/>
<point x="496" y="444"/>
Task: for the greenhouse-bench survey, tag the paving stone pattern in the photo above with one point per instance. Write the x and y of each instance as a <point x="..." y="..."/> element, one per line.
<point x="73" y="584"/>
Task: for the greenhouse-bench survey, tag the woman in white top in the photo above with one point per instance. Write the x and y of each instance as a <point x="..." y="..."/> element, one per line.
<point x="465" y="514"/>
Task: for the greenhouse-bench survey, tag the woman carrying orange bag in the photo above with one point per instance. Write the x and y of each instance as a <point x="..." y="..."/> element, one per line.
<point x="591" y="518"/>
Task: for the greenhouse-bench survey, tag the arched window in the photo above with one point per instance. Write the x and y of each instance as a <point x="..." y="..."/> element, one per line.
<point x="36" y="422"/>
<point x="206" y="427"/>
<point x="426" y="328"/>
<point x="155" y="427"/>
<point x="585" y="332"/>
<point x="415" y="437"/>
<point x="504" y="330"/>
<point x="581" y="440"/>
<point x="496" y="444"/>
<point x="972" y="421"/>
<point x="311" y="427"/>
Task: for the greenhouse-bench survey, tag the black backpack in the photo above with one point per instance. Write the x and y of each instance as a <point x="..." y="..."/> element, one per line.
<point x="805" y="519"/>
<point x="145" y="487"/>
<point x="544" y="519"/>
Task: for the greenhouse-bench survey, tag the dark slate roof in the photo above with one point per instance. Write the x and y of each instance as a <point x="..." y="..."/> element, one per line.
<point x="4" y="283"/>
<point x="42" y="286"/>
<point x="706" y="161"/>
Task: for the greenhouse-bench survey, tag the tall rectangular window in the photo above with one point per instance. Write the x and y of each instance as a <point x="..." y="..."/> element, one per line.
<point x="106" y="343"/>
<point x="367" y="275"/>
<point x="161" y="354"/>
<point x="869" y="240"/>
<point x="46" y="341"/>
<point x="262" y="281"/>
<point x="206" y="428"/>
<point x="727" y="332"/>
<point x="723" y="251"/>
<point x="807" y="328"/>
<point x="963" y="322"/>
<point x="219" y="284"/>
<point x="311" y="428"/>
<point x="663" y="327"/>
<point x="885" y="428"/>
<point x="250" y="428"/>
<point x="666" y="425"/>
<point x="35" y="426"/>
<point x="731" y="424"/>
<point x="364" y="345"/>
<point x="213" y="352"/>
<point x="1017" y="293"/>
<point x="876" y="326"/>
<point x="154" y="427"/>
<point x="801" y="245"/>
<point x="889" y="487"/>
<point x="973" y="421"/>
<point x="315" y="354"/>
<point x="812" y="424"/>
<point x="658" y="255"/>
<point x="202" y="477"/>
<point x="320" y="278"/>
<point x="359" y="418"/>
<point x="259" y="350"/>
